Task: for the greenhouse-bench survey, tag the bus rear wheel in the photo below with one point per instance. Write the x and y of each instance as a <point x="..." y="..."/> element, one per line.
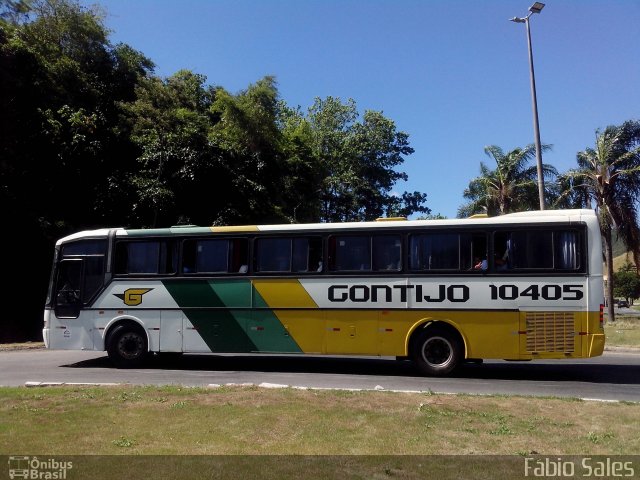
<point x="127" y="346"/>
<point x="437" y="351"/>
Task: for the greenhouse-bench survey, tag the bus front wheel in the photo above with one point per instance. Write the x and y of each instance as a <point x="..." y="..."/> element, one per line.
<point x="437" y="351"/>
<point x="127" y="346"/>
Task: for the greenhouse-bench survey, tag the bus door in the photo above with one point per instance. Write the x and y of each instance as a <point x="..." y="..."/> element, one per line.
<point x="171" y="327"/>
<point x="69" y="328"/>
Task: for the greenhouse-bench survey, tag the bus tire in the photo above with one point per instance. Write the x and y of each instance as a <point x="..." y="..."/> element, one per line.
<point x="127" y="346"/>
<point x="437" y="351"/>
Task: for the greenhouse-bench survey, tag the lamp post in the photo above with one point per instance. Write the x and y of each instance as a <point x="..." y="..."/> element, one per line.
<point x="535" y="8"/>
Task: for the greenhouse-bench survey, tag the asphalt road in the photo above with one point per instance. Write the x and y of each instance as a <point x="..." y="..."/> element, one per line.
<point x="632" y="312"/>
<point x="614" y="376"/>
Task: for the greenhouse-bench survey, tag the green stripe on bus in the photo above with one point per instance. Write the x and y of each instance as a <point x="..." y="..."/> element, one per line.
<point x="221" y="312"/>
<point x="222" y="329"/>
<point x="193" y="293"/>
<point x="233" y="293"/>
<point x="267" y="332"/>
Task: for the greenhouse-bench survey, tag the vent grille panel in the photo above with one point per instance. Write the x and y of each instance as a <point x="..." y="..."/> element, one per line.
<point x="550" y="332"/>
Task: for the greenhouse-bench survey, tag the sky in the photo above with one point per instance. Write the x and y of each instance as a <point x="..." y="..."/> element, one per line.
<point x="453" y="74"/>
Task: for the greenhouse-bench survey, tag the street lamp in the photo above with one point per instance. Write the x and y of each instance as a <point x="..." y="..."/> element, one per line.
<point x="535" y="8"/>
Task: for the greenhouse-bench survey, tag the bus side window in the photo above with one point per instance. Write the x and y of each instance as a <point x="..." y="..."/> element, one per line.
<point x="567" y="250"/>
<point x="531" y="249"/>
<point x="189" y="256"/>
<point x="121" y="258"/>
<point x="473" y="250"/>
<point x="145" y="257"/>
<point x="273" y="255"/>
<point x="350" y="253"/>
<point x="502" y="257"/>
<point x="435" y="251"/>
<point x="68" y="301"/>
<point x="307" y="254"/>
<point x="68" y="284"/>
<point x="205" y="256"/>
<point x="386" y="252"/>
<point x="239" y="255"/>
<point x="315" y="254"/>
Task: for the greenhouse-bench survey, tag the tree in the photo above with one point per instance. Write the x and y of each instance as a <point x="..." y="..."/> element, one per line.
<point x="301" y="191"/>
<point x="437" y="216"/>
<point x="626" y="283"/>
<point x="61" y="112"/>
<point x="177" y="164"/>
<point x="248" y="135"/>
<point x="511" y="187"/>
<point x="357" y="161"/>
<point x="608" y="179"/>
<point x="86" y="125"/>
<point x="62" y="137"/>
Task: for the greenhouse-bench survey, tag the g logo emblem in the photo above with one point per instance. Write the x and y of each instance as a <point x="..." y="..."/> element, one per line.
<point x="132" y="296"/>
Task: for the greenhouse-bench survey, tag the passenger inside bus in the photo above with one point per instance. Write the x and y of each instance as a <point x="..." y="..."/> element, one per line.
<point x="479" y="264"/>
<point x="501" y="261"/>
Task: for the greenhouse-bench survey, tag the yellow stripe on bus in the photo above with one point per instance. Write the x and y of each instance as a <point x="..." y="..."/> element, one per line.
<point x="495" y="334"/>
<point x="232" y="228"/>
<point x="302" y="319"/>
<point x="284" y="293"/>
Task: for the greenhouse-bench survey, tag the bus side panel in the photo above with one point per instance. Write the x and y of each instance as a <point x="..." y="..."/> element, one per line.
<point x="306" y="327"/>
<point x="70" y="333"/>
<point x="487" y="334"/>
<point x="595" y="340"/>
<point x="286" y="319"/>
<point x="104" y="320"/>
<point x="352" y="332"/>
<point x="216" y="313"/>
<point x="192" y="340"/>
<point x="217" y="330"/>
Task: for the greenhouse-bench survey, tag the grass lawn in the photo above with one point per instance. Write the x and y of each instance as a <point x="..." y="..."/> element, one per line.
<point x="624" y="332"/>
<point x="252" y="420"/>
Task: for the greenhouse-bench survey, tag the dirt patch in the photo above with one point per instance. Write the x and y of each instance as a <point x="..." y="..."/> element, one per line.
<point x="21" y="346"/>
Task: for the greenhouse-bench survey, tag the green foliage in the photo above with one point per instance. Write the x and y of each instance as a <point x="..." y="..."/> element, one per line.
<point x="511" y="187"/>
<point x="87" y="125"/>
<point x="436" y="216"/>
<point x="357" y="161"/>
<point x="170" y="123"/>
<point x="63" y="135"/>
<point x="123" y="442"/>
<point x="266" y="161"/>
<point x="247" y="133"/>
<point x="626" y="283"/>
<point x="608" y="177"/>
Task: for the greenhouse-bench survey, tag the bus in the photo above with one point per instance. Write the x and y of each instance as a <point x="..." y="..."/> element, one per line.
<point x="521" y="286"/>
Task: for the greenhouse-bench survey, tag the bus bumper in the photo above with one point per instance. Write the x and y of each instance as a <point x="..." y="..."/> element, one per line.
<point x="45" y="328"/>
<point x="45" y="337"/>
<point x="596" y="344"/>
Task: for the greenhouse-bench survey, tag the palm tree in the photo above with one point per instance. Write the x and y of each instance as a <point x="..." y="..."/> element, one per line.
<point x="609" y="177"/>
<point x="511" y="187"/>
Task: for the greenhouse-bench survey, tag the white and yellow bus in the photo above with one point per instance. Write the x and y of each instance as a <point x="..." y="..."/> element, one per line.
<point x="522" y="286"/>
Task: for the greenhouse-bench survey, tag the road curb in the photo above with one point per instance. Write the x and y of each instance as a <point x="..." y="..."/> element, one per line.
<point x="271" y="386"/>
<point x="71" y="384"/>
<point x="631" y="350"/>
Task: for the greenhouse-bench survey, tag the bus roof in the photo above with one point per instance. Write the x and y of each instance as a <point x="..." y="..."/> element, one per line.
<point x="545" y="216"/>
